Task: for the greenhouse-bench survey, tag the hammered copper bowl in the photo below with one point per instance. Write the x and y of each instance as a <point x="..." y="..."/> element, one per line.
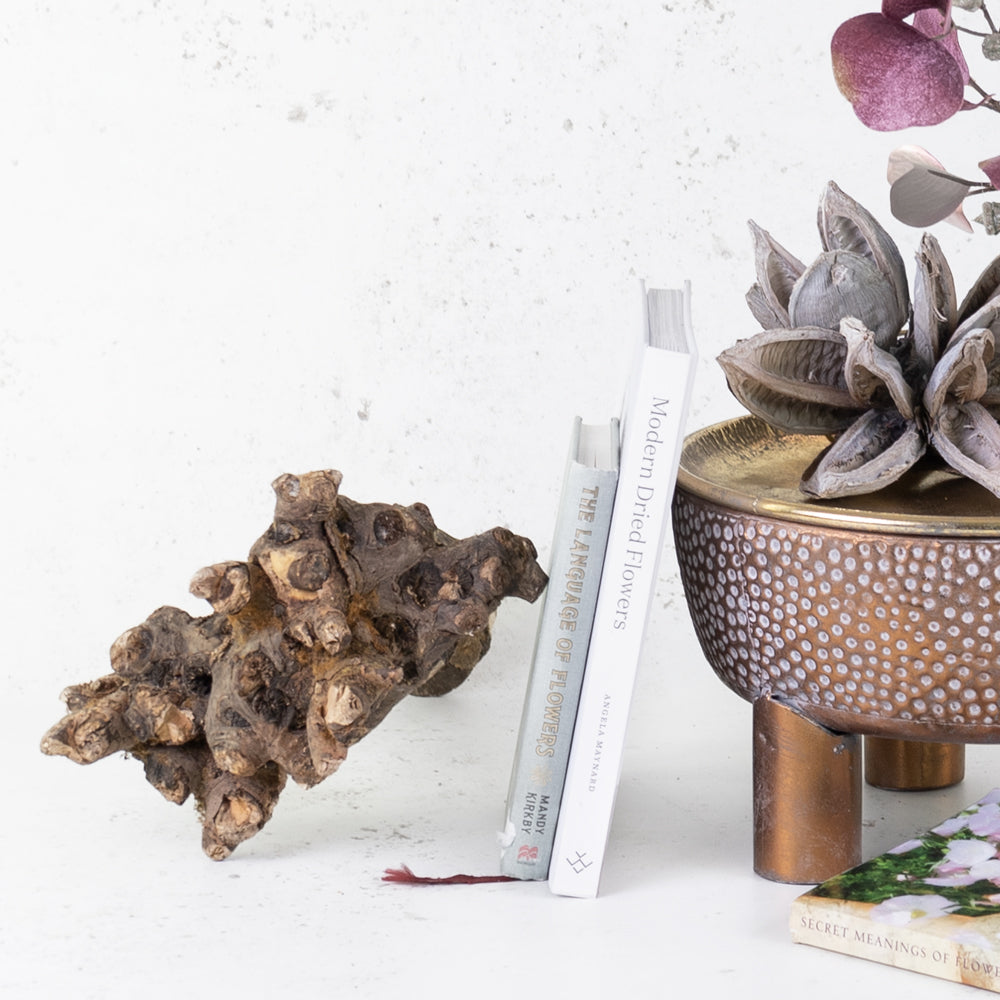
<point x="877" y="616"/>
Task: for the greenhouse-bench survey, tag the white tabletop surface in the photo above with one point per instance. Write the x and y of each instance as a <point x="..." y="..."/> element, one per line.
<point x="402" y="240"/>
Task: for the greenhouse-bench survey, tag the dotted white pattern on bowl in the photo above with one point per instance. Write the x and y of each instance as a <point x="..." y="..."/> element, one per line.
<point x="897" y="627"/>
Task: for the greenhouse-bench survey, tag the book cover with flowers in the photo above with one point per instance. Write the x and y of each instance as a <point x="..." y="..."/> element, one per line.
<point x="931" y="905"/>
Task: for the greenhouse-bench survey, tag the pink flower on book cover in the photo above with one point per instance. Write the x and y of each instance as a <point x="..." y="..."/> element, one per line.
<point x="902" y="910"/>
<point x="906" y="847"/>
<point x="963" y="854"/>
<point x="982" y="819"/>
<point x="951" y="826"/>
<point x="988" y="872"/>
<point x="985" y="821"/>
<point x="967" y="862"/>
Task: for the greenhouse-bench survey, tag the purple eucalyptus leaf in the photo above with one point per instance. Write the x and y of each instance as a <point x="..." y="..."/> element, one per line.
<point x="938" y="25"/>
<point x="899" y="10"/>
<point x="894" y="75"/>
<point x="923" y="196"/>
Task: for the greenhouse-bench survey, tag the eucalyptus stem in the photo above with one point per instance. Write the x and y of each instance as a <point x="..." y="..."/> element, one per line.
<point x="989" y="20"/>
<point x="988" y="101"/>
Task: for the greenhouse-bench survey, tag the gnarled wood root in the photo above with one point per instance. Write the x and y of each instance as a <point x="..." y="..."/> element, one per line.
<point x="341" y="610"/>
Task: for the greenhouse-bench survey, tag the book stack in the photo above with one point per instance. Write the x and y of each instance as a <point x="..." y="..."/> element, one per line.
<point x="559" y="814"/>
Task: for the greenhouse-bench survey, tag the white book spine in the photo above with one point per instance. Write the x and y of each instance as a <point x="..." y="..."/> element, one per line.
<point x="553" y="691"/>
<point x="652" y="433"/>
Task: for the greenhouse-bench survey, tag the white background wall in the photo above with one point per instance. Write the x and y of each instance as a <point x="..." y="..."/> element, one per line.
<point x="402" y="240"/>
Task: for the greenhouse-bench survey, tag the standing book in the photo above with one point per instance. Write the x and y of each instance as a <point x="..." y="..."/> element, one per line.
<point x="564" y="626"/>
<point x="930" y="905"/>
<point x="652" y="428"/>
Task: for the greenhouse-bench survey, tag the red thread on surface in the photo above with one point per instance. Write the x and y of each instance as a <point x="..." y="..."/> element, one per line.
<point x="404" y="875"/>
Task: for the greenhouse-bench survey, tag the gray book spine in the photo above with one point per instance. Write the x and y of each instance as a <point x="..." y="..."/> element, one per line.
<point x="553" y="691"/>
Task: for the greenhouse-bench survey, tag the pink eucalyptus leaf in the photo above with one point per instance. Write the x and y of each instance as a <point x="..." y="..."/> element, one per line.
<point x="893" y="75"/>
<point x="991" y="168"/>
<point x="923" y="196"/>
<point x="938" y="25"/>
<point x="904" y="158"/>
<point x="898" y="10"/>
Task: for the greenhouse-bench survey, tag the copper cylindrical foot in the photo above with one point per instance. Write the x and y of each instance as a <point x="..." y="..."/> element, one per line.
<point x="909" y="766"/>
<point x="806" y="796"/>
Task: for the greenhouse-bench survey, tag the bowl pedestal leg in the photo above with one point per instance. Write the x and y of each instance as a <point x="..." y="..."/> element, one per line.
<point x="807" y="789"/>
<point x="806" y="796"/>
<point x="909" y="766"/>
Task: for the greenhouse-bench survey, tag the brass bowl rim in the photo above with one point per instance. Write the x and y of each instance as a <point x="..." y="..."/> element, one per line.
<point x="743" y="464"/>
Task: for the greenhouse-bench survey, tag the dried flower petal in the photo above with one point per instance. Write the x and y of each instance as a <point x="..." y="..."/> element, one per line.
<point x="777" y="271"/>
<point x="875" y="451"/>
<point x="968" y="438"/>
<point x="986" y="317"/>
<point x="989" y="217"/>
<point x="934" y="303"/>
<point x="793" y="379"/>
<point x="761" y="309"/>
<point x="894" y="75"/>
<point x="874" y="376"/>
<point x="961" y="375"/>
<point x="840" y="283"/>
<point x="848" y="368"/>
<point x="984" y="288"/>
<point x="846" y="225"/>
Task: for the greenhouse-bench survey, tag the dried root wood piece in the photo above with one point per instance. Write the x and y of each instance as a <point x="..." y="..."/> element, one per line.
<point x="341" y="610"/>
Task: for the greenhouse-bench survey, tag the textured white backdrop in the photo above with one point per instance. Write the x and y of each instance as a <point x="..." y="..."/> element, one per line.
<point x="402" y="240"/>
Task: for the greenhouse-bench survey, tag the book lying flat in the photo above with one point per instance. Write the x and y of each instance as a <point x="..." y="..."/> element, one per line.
<point x="564" y="626"/>
<point x="930" y="905"/>
<point x="652" y="429"/>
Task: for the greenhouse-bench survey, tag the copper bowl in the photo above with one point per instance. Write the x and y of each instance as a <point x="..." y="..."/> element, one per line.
<point x="878" y="616"/>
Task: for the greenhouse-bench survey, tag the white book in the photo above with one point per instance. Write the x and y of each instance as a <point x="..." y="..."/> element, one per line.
<point x="564" y="626"/>
<point x="652" y="427"/>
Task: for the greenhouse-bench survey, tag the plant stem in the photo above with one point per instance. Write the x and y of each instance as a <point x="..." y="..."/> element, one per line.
<point x="989" y="20"/>
<point x="987" y="101"/>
